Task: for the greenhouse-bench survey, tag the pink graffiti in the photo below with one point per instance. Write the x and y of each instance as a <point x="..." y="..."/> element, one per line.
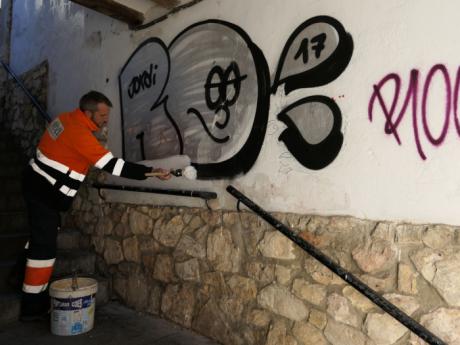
<point x="393" y="118"/>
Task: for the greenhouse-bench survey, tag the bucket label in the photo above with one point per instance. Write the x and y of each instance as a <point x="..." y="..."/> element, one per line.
<point x="77" y="328"/>
<point x="73" y="303"/>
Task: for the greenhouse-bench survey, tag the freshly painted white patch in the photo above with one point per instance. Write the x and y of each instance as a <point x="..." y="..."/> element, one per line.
<point x="172" y="162"/>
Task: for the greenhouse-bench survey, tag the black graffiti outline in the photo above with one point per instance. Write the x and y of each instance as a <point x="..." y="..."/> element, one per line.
<point x="174" y="124"/>
<point x="242" y="161"/>
<point x="312" y="156"/>
<point x="144" y="80"/>
<point x="326" y="71"/>
<point x="207" y="130"/>
<point x="158" y="101"/>
<point x="315" y="156"/>
<point x="305" y="44"/>
<point x="140" y="137"/>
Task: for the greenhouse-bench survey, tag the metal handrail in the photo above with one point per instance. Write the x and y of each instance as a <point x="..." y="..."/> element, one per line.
<point x="34" y="101"/>
<point x="179" y="192"/>
<point x="372" y="295"/>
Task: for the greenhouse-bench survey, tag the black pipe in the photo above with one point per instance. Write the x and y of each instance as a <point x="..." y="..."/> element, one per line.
<point x="140" y="137"/>
<point x="387" y="306"/>
<point x="179" y="192"/>
<point x="37" y="105"/>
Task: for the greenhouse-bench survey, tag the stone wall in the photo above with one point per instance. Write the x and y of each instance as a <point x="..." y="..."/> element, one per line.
<point x="230" y="276"/>
<point x="18" y="115"/>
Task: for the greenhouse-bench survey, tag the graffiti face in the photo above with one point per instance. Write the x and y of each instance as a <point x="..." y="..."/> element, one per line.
<point x="207" y="96"/>
<point x="222" y="90"/>
<point x="215" y="105"/>
<point x="213" y="91"/>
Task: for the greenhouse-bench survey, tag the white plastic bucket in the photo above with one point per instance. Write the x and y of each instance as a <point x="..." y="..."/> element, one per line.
<point x="72" y="311"/>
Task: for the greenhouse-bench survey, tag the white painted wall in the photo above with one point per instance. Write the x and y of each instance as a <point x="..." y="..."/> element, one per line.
<point x="373" y="177"/>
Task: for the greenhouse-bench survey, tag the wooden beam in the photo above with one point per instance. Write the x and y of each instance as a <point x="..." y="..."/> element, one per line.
<point x="169" y="4"/>
<point x="114" y="9"/>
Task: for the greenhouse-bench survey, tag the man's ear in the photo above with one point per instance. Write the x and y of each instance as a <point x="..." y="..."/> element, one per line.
<point x="88" y="113"/>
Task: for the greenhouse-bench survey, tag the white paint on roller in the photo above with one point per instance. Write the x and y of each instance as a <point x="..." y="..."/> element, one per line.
<point x="189" y="172"/>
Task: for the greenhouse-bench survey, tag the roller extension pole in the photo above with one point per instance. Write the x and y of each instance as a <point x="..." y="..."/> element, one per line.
<point x="387" y="306"/>
<point x="178" y="192"/>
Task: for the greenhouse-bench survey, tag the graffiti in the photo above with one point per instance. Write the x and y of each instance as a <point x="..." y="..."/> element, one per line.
<point x="318" y="47"/>
<point x="210" y="88"/>
<point x="329" y="63"/>
<point x="140" y="137"/>
<point x="143" y="81"/>
<point x="313" y="135"/>
<point x="417" y="104"/>
<point x="136" y="109"/>
<point x="207" y="95"/>
<point x="221" y="102"/>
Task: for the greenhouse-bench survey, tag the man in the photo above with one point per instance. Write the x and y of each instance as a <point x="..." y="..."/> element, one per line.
<point x="64" y="155"/>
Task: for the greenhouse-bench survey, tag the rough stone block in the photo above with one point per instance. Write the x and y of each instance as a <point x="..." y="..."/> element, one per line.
<point x="69" y="261"/>
<point x="383" y="329"/>
<point x="276" y="245"/>
<point x="280" y="301"/>
<point x="10" y="305"/>
<point x="68" y="239"/>
<point x="307" y="334"/>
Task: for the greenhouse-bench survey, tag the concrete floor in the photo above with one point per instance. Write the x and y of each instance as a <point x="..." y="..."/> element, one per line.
<point x="114" y="324"/>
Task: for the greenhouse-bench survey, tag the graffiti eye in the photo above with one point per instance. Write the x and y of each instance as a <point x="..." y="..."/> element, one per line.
<point x="213" y="88"/>
<point x="232" y="94"/>
<point x="233" y="79"/>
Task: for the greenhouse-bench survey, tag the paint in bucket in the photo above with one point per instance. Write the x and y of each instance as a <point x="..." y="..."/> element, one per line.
<point x="72" y="306"/>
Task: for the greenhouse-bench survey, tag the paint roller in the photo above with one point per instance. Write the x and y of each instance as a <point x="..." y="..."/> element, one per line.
<point x="188" y="172"/>
<point x="178" y="166"/>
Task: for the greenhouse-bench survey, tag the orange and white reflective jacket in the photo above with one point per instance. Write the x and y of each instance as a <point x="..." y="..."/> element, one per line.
<point x="64" y="155"/>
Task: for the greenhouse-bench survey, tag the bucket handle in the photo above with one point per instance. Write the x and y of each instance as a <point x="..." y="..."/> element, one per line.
<point x="74" y="281"/>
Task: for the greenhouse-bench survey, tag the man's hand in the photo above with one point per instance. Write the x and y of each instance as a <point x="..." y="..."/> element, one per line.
<point x="162" y="174"/>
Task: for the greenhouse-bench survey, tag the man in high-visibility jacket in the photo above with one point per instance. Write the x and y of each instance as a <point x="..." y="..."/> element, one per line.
<point x="64" y="155"/>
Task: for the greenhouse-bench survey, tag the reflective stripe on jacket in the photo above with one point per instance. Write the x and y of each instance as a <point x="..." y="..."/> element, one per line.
<point x="66" y="151"/>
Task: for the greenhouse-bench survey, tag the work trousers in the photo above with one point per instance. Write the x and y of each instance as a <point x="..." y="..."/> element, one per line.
<point x="40" y="254"/>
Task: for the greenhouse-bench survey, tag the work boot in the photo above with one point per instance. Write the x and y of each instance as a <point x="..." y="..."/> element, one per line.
<point x="43" y="316"/>
<point x="35" y="307"/>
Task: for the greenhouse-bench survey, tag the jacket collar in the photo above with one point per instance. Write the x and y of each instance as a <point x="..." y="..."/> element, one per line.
<point x="85" y="120"/>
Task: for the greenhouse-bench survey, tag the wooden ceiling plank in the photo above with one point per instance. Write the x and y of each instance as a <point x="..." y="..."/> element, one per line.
<point x="114" y="9"/>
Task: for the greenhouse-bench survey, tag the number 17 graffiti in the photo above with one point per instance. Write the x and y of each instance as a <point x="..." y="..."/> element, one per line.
<point x="207" y="95"/>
